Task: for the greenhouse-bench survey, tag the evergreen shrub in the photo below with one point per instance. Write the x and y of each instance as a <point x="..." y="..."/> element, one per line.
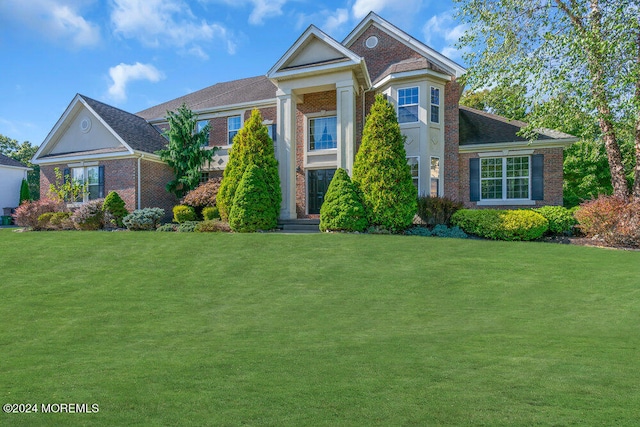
<point x="342" y="209"/>
<point x="561" y="219"/>
<point x="381" y="172"/>
<point x="168" y="227"/>
<point x="210" y="213"/>
<point x="143" y="219"/>
<point x="89" y="216"/>
<point x="251" y="146"/>
<point x="24" y="192"/>
<point x="187" y="226"/>
<point x="115" y="207"/>
<point x="183" y="213"/>
<point x="501" y="224"/>
<point x="252" y="208"/>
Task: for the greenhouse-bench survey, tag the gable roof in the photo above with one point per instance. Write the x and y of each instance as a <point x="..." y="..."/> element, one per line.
<point x="479" y="127"/>
<point x="133" y="129"/>
<point x="240" y="91"/>
<point x="433" y="56"/>
<point x="8" y="161"/>
<point x="329" y="55"/>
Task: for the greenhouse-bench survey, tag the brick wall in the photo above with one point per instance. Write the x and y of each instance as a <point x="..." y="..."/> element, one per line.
<point x="313" y="103"/>
<point x="452" y="92"/>
<point x="154" y="177"/>
<point x="552" y="179"/>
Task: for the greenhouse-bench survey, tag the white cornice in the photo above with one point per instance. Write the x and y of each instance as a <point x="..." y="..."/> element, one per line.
<point x="538" y="144"/>
<point x="409" y="75"/>
<point x="102" y="156"/>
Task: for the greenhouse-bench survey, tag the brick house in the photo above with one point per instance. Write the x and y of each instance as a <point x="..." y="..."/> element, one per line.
<point x="314" y="101"/>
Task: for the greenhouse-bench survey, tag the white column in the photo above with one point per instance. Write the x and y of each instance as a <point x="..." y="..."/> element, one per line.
<point x="286" y="147"/>
<point x="345" y="96"/>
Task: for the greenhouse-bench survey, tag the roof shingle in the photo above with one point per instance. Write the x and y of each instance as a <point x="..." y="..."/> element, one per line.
<point x="8" y="161"/>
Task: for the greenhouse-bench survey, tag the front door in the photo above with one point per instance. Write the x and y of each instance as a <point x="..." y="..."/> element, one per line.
<point x="318" y="182"/>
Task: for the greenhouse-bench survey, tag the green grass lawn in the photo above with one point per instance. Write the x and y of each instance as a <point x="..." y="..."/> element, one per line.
<point x="319" y="329"/>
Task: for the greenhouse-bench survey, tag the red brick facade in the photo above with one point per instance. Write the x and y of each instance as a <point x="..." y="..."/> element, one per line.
<point x="452" y="92"/>
<point x="553" y="177"/>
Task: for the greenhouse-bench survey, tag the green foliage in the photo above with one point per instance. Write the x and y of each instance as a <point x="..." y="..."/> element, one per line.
<point x="66" y="189"/>
<point x="252" y="208"/>
<point x="23" y="153"/>
<point x="44" y="220"/>
<point x="506" y="101"/>
<point x="115" y="207"/>
<point x="437" y="210"/>
<point x="502" y="224"/>
<point x="185" y="152"/>
<point x="342" y="209"/>
<point x="210" y="213"/>
<point x="251" y="145"/>
<point x="576" y="63"/>
<point x="439" y="230"/>
<point x="213" y="226"/>
<point x="89" y="216"/>
<point x="381" y="173"/>
<point x="561" y="220"/>
<point x="182" y="213"/>
<point x="614" y="220"/>
<point x="187" y="226"/>
<point x="27" y="214"/>
<point x="24" y="192"/>
<point x="143" y="219"/>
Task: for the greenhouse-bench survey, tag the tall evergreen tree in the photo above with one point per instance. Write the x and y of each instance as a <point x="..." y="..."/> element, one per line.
<point x="252" y="208"/>
<point x="252" y="145"/>
<point x="381" y="172"/>
<point x="185" y="153"/>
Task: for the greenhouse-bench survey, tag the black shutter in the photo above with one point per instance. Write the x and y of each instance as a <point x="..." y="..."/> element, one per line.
<point x="474" y="179"/>
<point x="66" y="175"/>
<point x="100" y="182"/>
<point x="537" y="177"/>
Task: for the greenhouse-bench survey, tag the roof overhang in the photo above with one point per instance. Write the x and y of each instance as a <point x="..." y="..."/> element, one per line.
<point x="411" y="75"/>
<point x="71" y="157"/>
<point x="59" y="128"/>
<point x="24" y="168"/>
<point x="536" y="144"/>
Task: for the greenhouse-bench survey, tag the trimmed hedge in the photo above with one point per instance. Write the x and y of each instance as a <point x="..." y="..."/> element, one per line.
<point x="342" y="209"/>
<point x="502" y="224"/>
<point x="561" y="220"/>
<point x="210" y="213"/>
<point x="183" y="213"/>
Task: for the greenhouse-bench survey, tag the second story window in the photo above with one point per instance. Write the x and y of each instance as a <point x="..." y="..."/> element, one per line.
<point x="233" y="126"/>
<point x="435" y="105"/>
<point x="408" y="100"/>
<point x="201" y="125"/>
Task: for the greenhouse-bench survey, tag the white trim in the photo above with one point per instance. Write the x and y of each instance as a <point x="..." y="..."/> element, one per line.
<point x="16" y="167"/>
<point x="537" y="144"/>
<point x="506" y="153"/>
<point x="506" y="202"/>
<point x="431" y="54"/>
<point x="410" y="75"/>
<point x="102" y="156"/>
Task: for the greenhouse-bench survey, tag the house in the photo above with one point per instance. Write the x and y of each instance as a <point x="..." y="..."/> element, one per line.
<point x="314" y="101"/>
<point x="12" y="172"/>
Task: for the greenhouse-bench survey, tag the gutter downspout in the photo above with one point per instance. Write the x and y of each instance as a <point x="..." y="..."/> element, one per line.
<point x="139" y="183"/>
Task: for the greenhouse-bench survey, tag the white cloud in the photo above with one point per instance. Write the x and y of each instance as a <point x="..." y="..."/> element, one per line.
<point x="166" y="22"/>
<point x="336" y="20"/>
<point x="444" y="29"/>
<point x="55" y="19"/>
<point x="122" y="74"/>
<point x="362" y="7"/>
<point x="264" y="9"/>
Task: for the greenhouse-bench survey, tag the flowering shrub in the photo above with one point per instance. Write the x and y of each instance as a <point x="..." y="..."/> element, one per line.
<point x="143" y="219"/>
<point x="611" y="219"/>
<point x="89" y="216"/>
<point x="27" y="214"/>
<point x="213" y="226"/>
<point x="502" y="224"/>
<point x="203" y="195"/>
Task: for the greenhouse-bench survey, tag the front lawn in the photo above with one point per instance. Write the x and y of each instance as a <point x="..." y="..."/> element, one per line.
<point x="319" y="329"/>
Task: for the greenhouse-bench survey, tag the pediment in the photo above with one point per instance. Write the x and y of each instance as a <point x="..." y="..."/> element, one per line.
<point x="314" y="51"/>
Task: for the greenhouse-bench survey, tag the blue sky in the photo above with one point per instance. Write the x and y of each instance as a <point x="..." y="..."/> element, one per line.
<point x="134" y="54"/>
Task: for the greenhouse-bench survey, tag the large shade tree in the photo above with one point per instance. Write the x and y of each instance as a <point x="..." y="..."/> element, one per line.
<point x="587" y="50"/>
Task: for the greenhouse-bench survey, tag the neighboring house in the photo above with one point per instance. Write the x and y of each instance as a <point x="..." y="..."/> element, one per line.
<point x="12" y="172"/>
<point x="314" y="101"/>
<point x="109" y="150"/>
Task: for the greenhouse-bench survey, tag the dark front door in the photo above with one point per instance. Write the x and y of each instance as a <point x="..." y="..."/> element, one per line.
<point x="318" y="183"/>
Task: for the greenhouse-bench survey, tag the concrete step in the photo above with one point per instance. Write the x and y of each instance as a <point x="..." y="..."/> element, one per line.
<point x="299" y="225"/>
